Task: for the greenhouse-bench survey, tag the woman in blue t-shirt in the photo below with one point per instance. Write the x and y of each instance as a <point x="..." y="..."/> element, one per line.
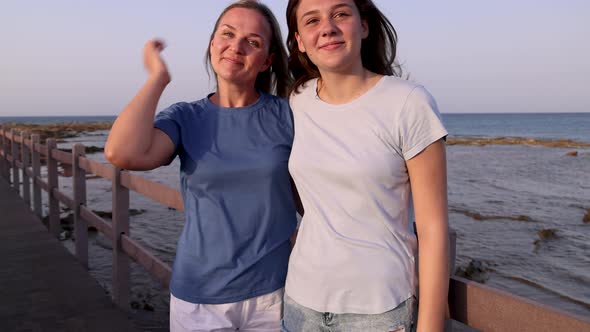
<point x="232" y="256"/>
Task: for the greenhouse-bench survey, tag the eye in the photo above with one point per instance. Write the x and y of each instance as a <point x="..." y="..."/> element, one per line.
<point x="311" y="21"/>
<point x="341" y="14"/>
<point x="227" y="34"/>
<point x="254" y="43"/>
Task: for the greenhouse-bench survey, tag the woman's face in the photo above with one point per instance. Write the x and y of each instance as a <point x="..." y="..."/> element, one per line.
<point x="330" y="32"/>
<point x="240" y="47"/>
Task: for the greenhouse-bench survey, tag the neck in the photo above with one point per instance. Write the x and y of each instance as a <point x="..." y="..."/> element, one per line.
<point x="233" y="95"/>
<point x="341" y="88"/>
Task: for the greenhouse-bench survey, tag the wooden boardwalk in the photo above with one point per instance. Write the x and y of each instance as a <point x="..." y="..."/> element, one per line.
<point x="42" y="286"/>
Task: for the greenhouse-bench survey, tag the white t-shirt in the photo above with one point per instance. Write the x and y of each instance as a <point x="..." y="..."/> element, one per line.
<point x="355" y="248"/>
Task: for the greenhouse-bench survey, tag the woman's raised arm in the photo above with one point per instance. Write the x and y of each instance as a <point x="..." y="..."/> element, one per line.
<point x="133" y="142"/>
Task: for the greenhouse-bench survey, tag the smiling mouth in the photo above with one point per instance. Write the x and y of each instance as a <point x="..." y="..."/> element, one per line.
<point x="233" y="61"/>
<point x="331" y="45"/>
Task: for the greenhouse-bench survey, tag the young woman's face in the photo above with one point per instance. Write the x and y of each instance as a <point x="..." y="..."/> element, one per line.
<point x="240" y="46"/>
<point x="330" y="32"/>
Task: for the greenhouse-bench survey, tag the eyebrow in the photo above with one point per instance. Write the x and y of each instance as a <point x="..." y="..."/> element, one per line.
<point x="252" y="34"/>
<point x="313" y="12"/>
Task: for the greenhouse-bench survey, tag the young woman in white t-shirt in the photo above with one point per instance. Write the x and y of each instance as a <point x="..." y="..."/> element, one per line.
<point x="368" y="146"/>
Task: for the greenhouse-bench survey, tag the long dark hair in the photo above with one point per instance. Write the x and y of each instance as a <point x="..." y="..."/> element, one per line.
<point x="378" y="50"/>
<point x="276" y="79"/>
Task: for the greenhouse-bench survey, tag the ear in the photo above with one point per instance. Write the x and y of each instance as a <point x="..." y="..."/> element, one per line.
<point x="365" y="28"/>
<point x="268" y="62"/>
<point x="299" y="43"/>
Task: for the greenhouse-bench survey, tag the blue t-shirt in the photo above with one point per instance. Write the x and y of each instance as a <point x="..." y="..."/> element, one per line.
<point x="237" y="196"/>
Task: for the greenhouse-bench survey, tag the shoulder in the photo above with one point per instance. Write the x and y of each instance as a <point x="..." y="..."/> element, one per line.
<point x="278" y="107"/>
<point x="178" y="107"/>
<point x="305" y="91"/>
<point x="184" y="107"/>
<point x="409" y="93"/>
<point x="399" y="87"/>
<point x="181" y="113"/>
<point x="276" y="103"/>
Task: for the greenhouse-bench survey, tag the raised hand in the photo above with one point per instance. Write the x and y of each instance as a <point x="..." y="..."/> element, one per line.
<point x="133" y="142"/>
<point x="153" y="61"/>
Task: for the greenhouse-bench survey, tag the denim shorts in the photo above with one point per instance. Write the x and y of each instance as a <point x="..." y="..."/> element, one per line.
<point x="297" y="318"/>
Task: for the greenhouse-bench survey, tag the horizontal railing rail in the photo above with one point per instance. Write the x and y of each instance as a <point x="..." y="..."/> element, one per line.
<point x="156" y="191"/>
<point x="476" y="305"/>
<point x="489" y="309"/>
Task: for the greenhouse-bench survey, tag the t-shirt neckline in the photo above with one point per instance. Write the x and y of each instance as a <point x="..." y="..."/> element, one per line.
<point x="350" y="104"/>
<point x="259" y="103"/>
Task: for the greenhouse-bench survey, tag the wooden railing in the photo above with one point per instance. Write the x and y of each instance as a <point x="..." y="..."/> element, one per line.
<point x="476" y="305"/>
<point x="21" y="154"/>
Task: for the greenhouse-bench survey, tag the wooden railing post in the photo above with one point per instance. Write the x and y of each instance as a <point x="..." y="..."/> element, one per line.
<point x="120" y="226"/>
<point x="52" y="180"/>
<point x="452" y="258"/>
<point x="6" y="147"/>
<point x="14" y="153"/>
<point x="79" y="184"/>
<point x="36" y="165"/>
<point x="3" y="161"/>
<point x="26" y="158"/>
<point x="452" y="250"/>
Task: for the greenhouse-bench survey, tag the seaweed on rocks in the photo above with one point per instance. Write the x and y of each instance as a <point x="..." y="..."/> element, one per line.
<point x="586" y="217"/>
<point x="88" y="149"/>
<point x="476" y="270"/>
<point x="546" y="234"/>
<point x="60" y="130"/>
<point x="67" y="225"/>
<point x="481" y="217"/>
<point x="109" y="214"/>
<point x="482" y="141"/>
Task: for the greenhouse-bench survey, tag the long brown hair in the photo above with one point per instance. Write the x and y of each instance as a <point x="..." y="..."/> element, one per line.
<point x="378" y="50"/>
<point x="276" y="79"/>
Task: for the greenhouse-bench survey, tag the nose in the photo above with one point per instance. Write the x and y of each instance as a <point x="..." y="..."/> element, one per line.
<point x="328" y="27"/>
<point x="237" y="45"/>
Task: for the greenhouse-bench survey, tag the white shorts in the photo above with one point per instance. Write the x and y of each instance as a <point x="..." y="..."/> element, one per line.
<point x="258" y="314"/>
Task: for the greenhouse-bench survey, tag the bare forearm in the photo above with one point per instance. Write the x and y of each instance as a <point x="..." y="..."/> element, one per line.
<point x="427" y="172"/>
<point x="131" y="134"/>
<point x="433" y="277"/>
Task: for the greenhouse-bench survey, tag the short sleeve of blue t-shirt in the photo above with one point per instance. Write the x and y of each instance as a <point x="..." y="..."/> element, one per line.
<point x="237" y="197"/>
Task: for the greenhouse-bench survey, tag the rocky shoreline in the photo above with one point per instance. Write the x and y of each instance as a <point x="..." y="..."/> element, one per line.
<point x="60" y="130"/>
<point x="75" y="129"/>
<point x="481" y="141"/>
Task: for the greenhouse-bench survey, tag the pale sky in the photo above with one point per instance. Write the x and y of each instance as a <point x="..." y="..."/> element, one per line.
<point x="76" y="57"/>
